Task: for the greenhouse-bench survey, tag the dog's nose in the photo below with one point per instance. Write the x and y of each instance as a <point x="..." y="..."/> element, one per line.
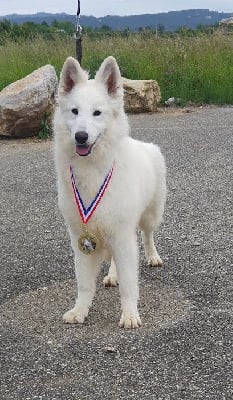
<point x="81" y="137"/>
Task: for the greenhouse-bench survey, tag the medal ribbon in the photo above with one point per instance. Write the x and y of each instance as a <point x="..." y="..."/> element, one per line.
<point x="86" y="213"/>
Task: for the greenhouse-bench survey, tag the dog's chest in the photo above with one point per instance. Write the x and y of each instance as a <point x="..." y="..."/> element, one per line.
<point x="90" y="190"/>
<point x="86" y="200"/>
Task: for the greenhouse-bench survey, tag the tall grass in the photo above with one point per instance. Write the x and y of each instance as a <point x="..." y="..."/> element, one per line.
<point x="197" y="69"/>
<point x="22" y="57"/>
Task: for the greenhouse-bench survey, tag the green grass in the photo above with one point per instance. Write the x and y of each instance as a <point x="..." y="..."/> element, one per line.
<point x="197" y="69"/>
<point x="45" y="130"/>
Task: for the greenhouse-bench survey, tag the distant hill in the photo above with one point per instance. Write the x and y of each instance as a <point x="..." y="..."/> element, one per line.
<point x="170" y="20"/>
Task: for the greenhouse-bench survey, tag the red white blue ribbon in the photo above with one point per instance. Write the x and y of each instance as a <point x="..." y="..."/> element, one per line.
<point x="86" y="213"/>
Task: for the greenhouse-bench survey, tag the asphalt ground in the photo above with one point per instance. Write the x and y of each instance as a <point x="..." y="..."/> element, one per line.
<point x="184" y="348"/>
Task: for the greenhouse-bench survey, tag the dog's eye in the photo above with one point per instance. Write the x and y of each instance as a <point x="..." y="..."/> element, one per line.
<point x="74" y="111"/>
<point x="96" y="113"/>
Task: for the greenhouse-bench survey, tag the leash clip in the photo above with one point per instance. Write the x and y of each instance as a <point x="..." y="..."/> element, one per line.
<point x="78" y="36"/>
<point x="79" y="29"/>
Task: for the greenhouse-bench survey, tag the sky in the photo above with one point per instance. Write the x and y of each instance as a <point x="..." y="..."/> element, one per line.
<point x="110" y="7"/>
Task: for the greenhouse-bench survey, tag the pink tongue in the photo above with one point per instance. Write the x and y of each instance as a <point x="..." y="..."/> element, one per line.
<point x="82" y="150"/>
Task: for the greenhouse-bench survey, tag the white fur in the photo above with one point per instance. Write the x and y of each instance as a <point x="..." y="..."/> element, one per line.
<point x="134" y="198"/>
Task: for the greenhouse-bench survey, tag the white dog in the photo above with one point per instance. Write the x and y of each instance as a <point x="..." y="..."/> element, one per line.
<point x="108" y="185"/>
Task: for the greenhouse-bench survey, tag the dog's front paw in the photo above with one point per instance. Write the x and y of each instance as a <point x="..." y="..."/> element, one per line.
<point x="155" y="261"/>
<point x="130" y="320"/>
<point x="75" y="316"/>
<point x="110" y="281"/>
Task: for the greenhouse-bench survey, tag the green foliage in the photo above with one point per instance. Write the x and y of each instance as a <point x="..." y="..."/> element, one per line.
<point x="196" y="66"/>
<point x="31" y="30"/>
<point x="45" y="131"/>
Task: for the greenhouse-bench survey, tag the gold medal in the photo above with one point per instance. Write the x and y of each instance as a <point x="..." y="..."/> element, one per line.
<point x="88" y="243"/>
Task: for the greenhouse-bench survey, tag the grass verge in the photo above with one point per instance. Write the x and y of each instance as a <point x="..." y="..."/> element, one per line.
<point x="197" y="69"/>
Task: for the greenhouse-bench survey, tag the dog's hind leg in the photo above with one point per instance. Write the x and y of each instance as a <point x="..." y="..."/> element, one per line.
<point x="150" y="220"/>
<point x="86" y="268"/>
<point x="111" y="278"/>
<point x="152" y="256"/>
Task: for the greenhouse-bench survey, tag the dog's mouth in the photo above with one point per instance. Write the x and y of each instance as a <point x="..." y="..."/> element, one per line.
<point x="83" y="149"/>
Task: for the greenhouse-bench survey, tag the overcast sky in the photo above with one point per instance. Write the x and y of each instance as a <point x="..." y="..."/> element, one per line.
<point x="111" y="7"/>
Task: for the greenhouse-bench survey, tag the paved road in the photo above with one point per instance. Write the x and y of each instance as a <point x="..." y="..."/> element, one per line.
<point x="183" y="350"/>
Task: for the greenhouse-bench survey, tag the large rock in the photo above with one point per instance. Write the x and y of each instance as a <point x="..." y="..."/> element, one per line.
<point x="23" y="104"/>
<point x="141" y="96"/>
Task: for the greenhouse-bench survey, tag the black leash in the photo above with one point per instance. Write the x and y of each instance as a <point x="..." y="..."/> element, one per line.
<point x="78" y="35"/>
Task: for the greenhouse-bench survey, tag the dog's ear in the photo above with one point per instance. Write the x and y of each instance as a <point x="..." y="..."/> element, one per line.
<point x="71" y="75"/>
<point x="109" y="74"/>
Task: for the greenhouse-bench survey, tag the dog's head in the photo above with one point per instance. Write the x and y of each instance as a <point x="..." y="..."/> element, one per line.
<point x="89" y="107"/>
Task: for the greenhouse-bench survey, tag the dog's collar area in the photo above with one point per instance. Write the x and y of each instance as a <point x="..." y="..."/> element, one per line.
<point x="86" y="213"/>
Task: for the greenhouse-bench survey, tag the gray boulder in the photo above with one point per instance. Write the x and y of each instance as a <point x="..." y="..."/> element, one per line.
<point x="141" y="96"/>
<point x="23" y="104"/>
